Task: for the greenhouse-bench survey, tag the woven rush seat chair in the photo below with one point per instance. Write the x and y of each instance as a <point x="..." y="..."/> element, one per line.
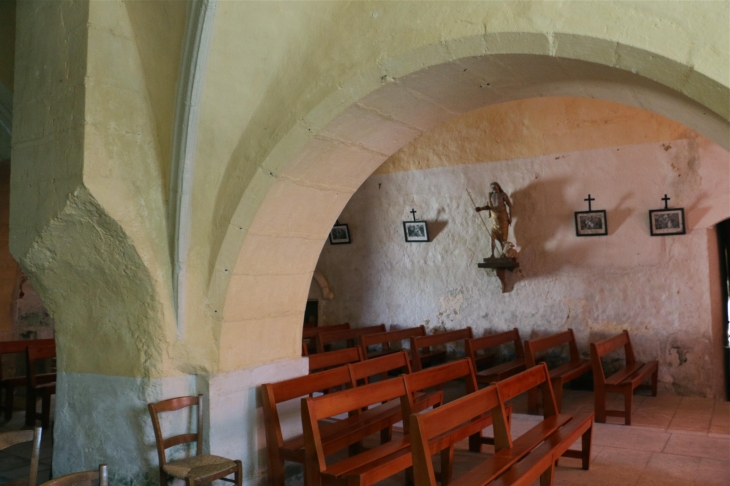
<point x="84" y="478"/>
<point x="8" y="439"/>
<point x="200" y="468"/>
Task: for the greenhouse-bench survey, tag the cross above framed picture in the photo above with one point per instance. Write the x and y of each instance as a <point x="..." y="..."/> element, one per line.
<point x="415" y="231"/>
<point x="665" y="222"/>
<point x="591" y="223"/>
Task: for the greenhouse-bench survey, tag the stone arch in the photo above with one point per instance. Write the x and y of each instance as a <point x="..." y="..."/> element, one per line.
<point x="315" y="168"/>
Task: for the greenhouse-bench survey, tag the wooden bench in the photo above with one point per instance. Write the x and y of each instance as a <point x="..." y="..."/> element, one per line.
<point x="426" y="342"/>
<point x="10" y="383"/>
<point x="625" y="381"/>
<point x="350" y="336"/>
<point x="561" y="374"/>
<point x="309" y="335"/>
<point x="522" y="460"/>
<point x="36" y="388"/>
<point x="502" y="370"/>
<point x="331" y="359"/>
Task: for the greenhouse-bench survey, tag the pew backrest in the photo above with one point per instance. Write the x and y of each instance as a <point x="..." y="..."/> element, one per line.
<point x="529" y="379"/>
<point x="350" y="336"/>
<point x="33" y="355"/>
<point x="533" y="346"/>
<point x="492" y="341"/>
<point x="331" y="359"/>
<point x="442" y="338"/>
<point x="384" y="339"/>
<point x="365" y="370"/>
<point x="311" y="332"/>
<point x="13" y="347"/>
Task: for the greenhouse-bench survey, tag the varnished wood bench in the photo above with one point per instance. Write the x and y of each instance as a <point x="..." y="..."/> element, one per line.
<point x="625" y="381"/>
<point x="521" y="460"/>
<point x="349" y="336"/>
<point x="561" y="374"/>
<point x="426" y="342"/>
<point x="9" y="384"/>
<point x="502" y="370"/>
<point x="435" y="377"/>
<point x="309" y="335"/>
<point x="38" y="388"/>
<point x="332" y="359"/>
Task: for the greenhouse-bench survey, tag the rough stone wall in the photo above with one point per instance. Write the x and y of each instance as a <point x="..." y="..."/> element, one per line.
<point x="656" y="287"/>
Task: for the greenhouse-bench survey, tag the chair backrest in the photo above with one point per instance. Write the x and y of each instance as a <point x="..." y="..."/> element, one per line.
<point x="430" y="424"/>
<point x="325" y="406"/>
<point x="328" y="337"/>
<point x="273" y="394"/>
<point x="604" y="347"/>
<point x="435" y="377"/>
<point x="8" y="439"/>
<point x="330" y="359"/>
<point x="537" y="376"/>
<point x="34" y="354"/>
<point x="85" y="478"/>
<point x="533" y="346"/>
<point x="492" y="341"/>
<point x="171" y="405"/>
<point x="385" y="338"/>
<point x="421" y="342"/>
<point x="364" y="370"/>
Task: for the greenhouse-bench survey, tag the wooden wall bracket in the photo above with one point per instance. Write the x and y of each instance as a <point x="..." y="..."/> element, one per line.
<point x="500" y="265"/>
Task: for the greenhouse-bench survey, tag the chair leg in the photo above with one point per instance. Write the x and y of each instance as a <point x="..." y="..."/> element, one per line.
<point x="239" y="473"/>
<point x="628" y="404"/>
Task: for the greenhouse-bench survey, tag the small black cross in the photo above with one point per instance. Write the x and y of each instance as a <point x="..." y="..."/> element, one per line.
<point x="413" y="212"/>
<point x="666" y="201"/>
<point x="589" y="199"/>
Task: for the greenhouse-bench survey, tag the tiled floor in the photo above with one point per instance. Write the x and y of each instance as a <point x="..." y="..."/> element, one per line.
<point x="673" y="441"/>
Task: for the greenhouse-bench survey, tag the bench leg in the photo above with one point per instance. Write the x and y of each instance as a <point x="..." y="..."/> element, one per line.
<point x="546" y="478"/>
<point x="386" y="435"/>
<point x="532" y="401"/>
<point x="558" y="392"/>
<point x="46" y="410"/>
<point x="599" y="404"/>
<point x="475" y="442"/>
<point x="30" y="404"/>
<point x="586" y="448"/>
<point x="447" y="461"/>
<point x="9" y="391"/>
<point x="628" y="404"/>
<point x="654" y="382"/>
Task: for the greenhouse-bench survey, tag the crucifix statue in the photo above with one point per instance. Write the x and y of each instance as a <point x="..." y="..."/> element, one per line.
<point x="500" y="218"/>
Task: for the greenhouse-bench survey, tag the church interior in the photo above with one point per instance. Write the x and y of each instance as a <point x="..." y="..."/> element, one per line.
<point x="209" y="197"/>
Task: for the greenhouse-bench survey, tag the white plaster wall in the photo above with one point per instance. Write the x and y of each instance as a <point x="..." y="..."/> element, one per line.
<point x="119" y="431"/>
<point x="656" y="287"/>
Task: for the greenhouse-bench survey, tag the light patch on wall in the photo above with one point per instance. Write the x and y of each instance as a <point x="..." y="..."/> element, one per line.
<point x="532" y="127"/>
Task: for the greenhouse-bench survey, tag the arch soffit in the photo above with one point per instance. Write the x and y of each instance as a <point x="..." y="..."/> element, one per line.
<point x="327" y="155"/>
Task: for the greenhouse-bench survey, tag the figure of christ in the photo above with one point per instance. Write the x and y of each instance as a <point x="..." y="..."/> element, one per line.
<point x="500" y="218"/>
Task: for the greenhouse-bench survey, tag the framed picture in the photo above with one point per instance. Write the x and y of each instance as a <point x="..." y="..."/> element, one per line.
<point x="415" y="231"/>
<point x="591" y="223"/>
<point x="340" y="235"/>
<point x="663" y="222"/>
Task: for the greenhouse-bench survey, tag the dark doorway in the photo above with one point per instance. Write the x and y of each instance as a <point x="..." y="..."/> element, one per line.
<point x="311" y="314"/>
<point x="723" y="243"/>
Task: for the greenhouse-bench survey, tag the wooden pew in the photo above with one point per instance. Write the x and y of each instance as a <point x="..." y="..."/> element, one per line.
<point x="435" y="377"/>
<point x="623" y="381"/>
<point x="502" y="370"/>
<point x="521" y="460"/>
<point x="426" y="342"/>
<point x="8" y="384"/>
<point x="385" y="339"/>
<point x="38" y="389"/>
<point x="563" y="373"/>
<point x="350" y="336"/>
<point x="309" y="335"/>
<point x="332" y="359"/>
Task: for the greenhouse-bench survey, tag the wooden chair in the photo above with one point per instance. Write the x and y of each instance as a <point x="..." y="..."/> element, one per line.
<point x="331" y="359"/>
<point x="625" y="381"/>
<point x="503" y="370"/>
<point x="8" y="439"/>
<point x="426" y="342"/>
<point x="36" y="388"/>
<point x="350" y="336"/>
<point x="561" y="374"/>
<point x="309" y="334"/>
<point x="8" y="384"/>
<point x="200" y="468"/>
<point x="85" y="478"/>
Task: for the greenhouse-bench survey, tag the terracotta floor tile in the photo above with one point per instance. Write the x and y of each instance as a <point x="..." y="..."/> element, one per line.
<point x="633" y="438"/>
<point x="698" y="446"/>
<point x="713" y="472"/>
<point x="721" y="414"/>
<point x="668" y="469"/>
<point x="611" y="467"/>
<point x="651" y="418"/>
<point x="719" y="431"/>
